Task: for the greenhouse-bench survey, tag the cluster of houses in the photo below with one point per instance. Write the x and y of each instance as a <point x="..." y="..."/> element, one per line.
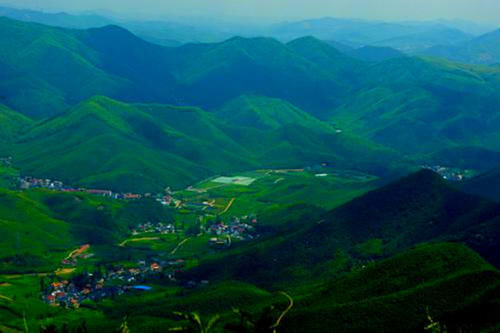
<point x="447" y="173"/>
<point x="115" y="281"/>
<point x="158" y="228"/>
<point x="238" y="228"/>
<point x="29" y="182"/>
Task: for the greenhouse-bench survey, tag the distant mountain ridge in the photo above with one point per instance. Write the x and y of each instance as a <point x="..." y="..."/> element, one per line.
<point x="484" y="49"/>
<point x="410" y="105"/>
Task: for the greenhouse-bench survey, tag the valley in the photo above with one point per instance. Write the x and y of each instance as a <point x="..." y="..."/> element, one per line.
<point x="204" y="219"/>
<point x="214" y="220"/>
<point x="318" y="175"/>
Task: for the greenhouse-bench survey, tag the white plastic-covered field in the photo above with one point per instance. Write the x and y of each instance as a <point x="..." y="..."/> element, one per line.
<point x="239" y="180"/>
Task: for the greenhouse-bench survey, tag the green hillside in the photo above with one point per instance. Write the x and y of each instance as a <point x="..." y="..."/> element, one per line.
<point x="92" y="144"/>
<point x="11" y="125"/>
<point x="486" y="185"/>
<point x="40" y="227"/>
<point x="419" y="105"/>
<point x="450" y="282"/>
<point x="266" y="113"/>
<point x="112" y="61"/>
<point x="416" y="209"/>
<point x="38" y="60"/>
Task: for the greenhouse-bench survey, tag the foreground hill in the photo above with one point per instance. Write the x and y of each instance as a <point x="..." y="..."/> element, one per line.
<point x="146" y="147"/>
<point x="416" y="209"/>
<point x="452" y="283"/>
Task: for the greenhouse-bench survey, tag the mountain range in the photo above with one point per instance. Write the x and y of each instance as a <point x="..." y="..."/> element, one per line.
<point x="480" y="50"/>
<point x="311" y="101"/>
<point x="329" y="221"/>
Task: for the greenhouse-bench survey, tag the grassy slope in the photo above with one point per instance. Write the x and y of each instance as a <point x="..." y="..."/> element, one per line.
<point x="394" y="294"/>
<point x="11" y="125"/>
<point x="419" y="105"/>
<point x="266" y="113"/>
<point x="37" y="60"/>
<point x="145" y="147"/>
<point x="106" y="143"/>
<point x="41" y="227"/>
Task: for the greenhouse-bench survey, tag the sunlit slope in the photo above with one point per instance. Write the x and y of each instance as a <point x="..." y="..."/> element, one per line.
<point x="141" y="147"/>
<point x="418" y="105"/>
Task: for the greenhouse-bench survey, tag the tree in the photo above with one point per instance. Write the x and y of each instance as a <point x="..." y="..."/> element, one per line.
<point x="434" y="326"/>
<point x="263" y="323"/>
<point x="194" y="323"/>
<point x="123" y="327"/>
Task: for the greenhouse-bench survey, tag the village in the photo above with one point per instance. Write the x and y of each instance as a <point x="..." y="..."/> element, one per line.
<point x="29" y="182"/>
<point x="451" y="174"/>
<point x="237" y="228"/>
<point x="105" y="282"/>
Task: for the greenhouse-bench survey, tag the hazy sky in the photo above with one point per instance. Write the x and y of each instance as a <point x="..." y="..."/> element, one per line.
<point x="487" y="11"/>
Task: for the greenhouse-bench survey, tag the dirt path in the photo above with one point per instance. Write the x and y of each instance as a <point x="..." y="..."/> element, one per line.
<point x="230" y="203"/>
<point x="8" y="299"/>
<point x="179" y="246"/>
<point x="122" y="244"/>
<point x="279" y="180"/>
<point x="78" y="251"/>
<point x="283" y="314"/>
<point x="64" y="271"/>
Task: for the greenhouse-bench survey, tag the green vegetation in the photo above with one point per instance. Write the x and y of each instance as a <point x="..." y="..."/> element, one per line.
<point x="395" y="293"/>
<point x="175" y="146"/>
<point x="480" y="50"/>
<point x="315" y="238"/>
<point x="486" y="185"/>
<point x="419" y="208"/>
<point x="41" y="227"/>
<point x="417" y="105"/>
